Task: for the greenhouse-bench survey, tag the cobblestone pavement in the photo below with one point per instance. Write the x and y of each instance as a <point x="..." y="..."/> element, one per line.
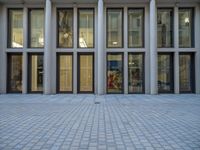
<point x="52" y="122"/>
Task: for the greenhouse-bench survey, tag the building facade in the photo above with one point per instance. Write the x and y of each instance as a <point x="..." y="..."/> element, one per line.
<point x="100" y="46"/>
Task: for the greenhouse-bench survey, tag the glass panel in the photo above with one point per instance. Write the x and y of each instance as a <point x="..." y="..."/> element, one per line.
<point x="186" y="28"/>
<point x="36" y="73"/>
<point x="86" y="73"/>
<point x="114" y="73"/>
<point x="15" y="37"/>
<point x="114" y="28"/>
<point x="15" y="73"/>
<point x="165" y="73"/>
<point x="86" y="28"/>
<point x="65" y="73"/>
<point x="165" y="27"/>
<point x="65" y="28"/>
<point x="185" y="72"/>
<point x="135" y="27"/>
<point x="136" y="75"/>
<point x="36" y="37"/>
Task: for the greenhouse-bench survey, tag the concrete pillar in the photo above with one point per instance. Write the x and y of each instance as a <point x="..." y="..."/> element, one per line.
<point x="176" y="54"/>
<point x="153" y="48"/>
<point x="197" y="45"/>
<point x="47" y="48"/>
<point x="75" y="66"/>
<point x="100" y="47"/>
<point x="1" y="48"/>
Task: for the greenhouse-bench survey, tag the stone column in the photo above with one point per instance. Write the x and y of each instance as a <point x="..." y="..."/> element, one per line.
<point x="153" y="47"/>
<point x="100" y="48"/>
<point x="1" y="48"/>
<point x="47" y="48"/>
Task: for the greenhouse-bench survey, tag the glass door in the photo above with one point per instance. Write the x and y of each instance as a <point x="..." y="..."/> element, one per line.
<point x="64" y="73"/>
<point x="115" y="73"/>
<point x="14" y="79"/>
<point x="85" y="73"/>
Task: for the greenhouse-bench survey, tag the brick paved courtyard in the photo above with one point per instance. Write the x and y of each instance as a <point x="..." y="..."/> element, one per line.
<point x="99" y="122"/>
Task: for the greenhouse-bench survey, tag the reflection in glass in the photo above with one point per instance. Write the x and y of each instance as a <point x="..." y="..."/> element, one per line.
<point x="65" y="73"/>
<point x="135" y="27"/>
<point x="115" y="73"/>
<point x="165" y="27"/>
<point x="186" y="74"/>
<point x="86" y="73"/>
<point x="14" y="73"/>
<point x="36" y="25"/>
<point x="65" y="28"/>
<point x="36" y="72"/>
<point x="15" y="36"/>
<point x="186" y="26"/>
<point x="86" y="28"/>
<point x="114" y="27"/>
<point x="165" y="73"/>
<point x="136" y="75"/>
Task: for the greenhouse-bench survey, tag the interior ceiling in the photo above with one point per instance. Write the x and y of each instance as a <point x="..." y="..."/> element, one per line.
<point x="92" y="1"/>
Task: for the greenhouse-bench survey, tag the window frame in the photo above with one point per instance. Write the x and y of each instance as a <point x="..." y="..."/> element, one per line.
<point x="115" y="53"/>
<point x="29" y="28"/>
<point x="9" y="28"/>
<point x="192" y="73"/>
<point x="78" y="27"/>
<point x="58" y="54"/>
<point x="122" y="24"/>
<point x="57" y="26"/>
<point x="143" y="70"/>
<point x="172" y="88"/>
<point x="29" y="75"/>
<point x="143" y="26"/>
<point x="171" y="26"/>
<point x="192" y="27"/>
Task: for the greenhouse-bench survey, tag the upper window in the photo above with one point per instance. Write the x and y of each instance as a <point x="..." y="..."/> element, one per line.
<point x="114" y="28"/>
<point x="15" y="28"/>
<point x="85" y="28"/>
<point x="36" y="28"/>
<point x="165" y="27"/>
<point x="65" y="28"/>
<point x="135" y="28"/>
<point x="186" y="27"/>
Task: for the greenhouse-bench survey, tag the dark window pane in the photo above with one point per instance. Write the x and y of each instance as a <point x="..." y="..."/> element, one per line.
<point x="86" y="28"/>
<point x="115" y="73"/>
<point x="186" y="27"/>
<point x="15" y="24"/>
<point x="36" y="28"/>
<point x="186" y="73"/>
<point x="114" y="28"/>
<point x="165" y="27"/>
<point x="65" y="72"/>
<point x="135" y="73"/>
<point x="65" y="28"/>
<point x="135" y="27"/>
<point x="165" y="73"/>
<point x="36" y="72"/>
<point x="14" y="73"/>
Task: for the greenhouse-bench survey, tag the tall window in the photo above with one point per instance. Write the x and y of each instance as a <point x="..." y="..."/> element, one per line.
<point x="115" y="73"/>
<point x="85" y="28"/>
<point x="35" y="73"/>
<point x="136" y="27"/>
<point x="186" y="72"/>
<point x="65" y="28"/>
<point x="114" y="28"/>
<point x="15" y="28"/>
<point x="165" y="27"/>
<point x="186" y="27"/>
<point x="135" y="73"/>
<point x="14" y="77"/>
<point x="36" y="28"/>
<point x="165" y="73"/>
